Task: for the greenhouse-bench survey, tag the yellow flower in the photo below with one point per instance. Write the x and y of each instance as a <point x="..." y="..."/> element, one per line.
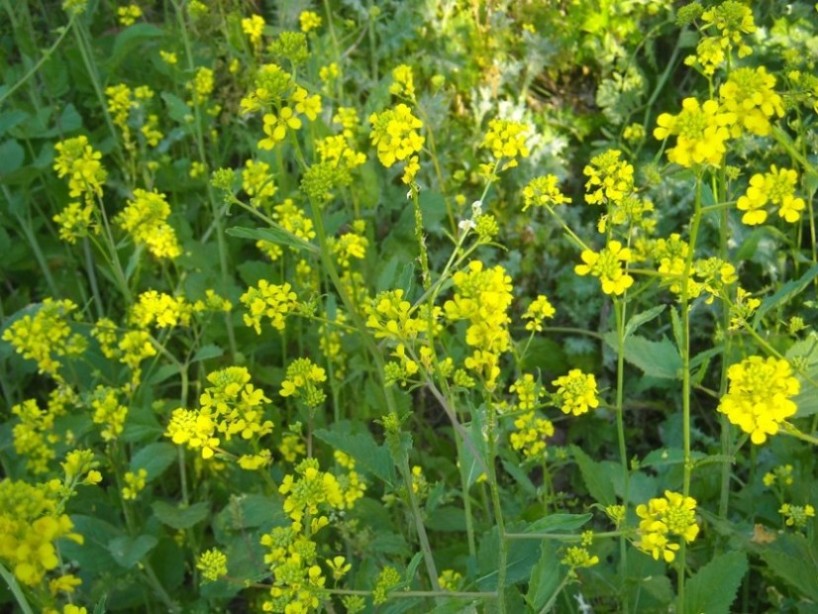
<point x="701" y="131"/>
<point x="309" y="21"/>
<point x="576" y="392"/>
<point x="776" y="187"/>
<point x="758" y="399"/>
<point x="507" y="140"/>
<point x="395" y="134"/>
<point x="606" y="266"/>
<point x="128" y="15"/>
<point x="213" y="564"/>
<point x="663" y="519"/>
<point x="275" y="127"/>
<point x="543" y="192"/>
<point x="253" y="27"/>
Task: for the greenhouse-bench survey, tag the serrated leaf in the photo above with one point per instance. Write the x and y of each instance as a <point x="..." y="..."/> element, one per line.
<point x="546" y="579"/>
<point x="154" y="458"/>
<point x="128" y="551"/>
<point x="641" y="318"/>
<point x="272" y="235"/>
<point x="180" y="517"/>
<point x="655" y="358"/>
<point x="713" y="589"/>
<point x="558" y="523"/>
<point x="594" y="474"/>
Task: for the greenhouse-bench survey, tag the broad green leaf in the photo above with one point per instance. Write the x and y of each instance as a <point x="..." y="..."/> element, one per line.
<point x="177" y="109"/>
<point x="713" y="588"/>
<point x="558" y="523"/>
<point x="251" y="511"/>
<point x="128" y="551"/>
<point x="596" y="477"/>
<point x="154" y="458"/>
<point x="446" y="519"/>
<point x="361" y="446"/>
<point x="180" y="517"/>
<point x="543" y="355"/>
<point x="546" y="578"/>
<point x="92" y="555"/>
<point x="522" y="556"/>
<point x="129" y="40"/>
<point x="272" y="235"/>
<point x="206" y="352"/>
<point x="638" y="319"/>
<point x="12" y="156"/>
<point x="785" y="294"/>
<point x="520" y="476"/>
<point x="655" y="358"/>
<point x="794" y="559"/>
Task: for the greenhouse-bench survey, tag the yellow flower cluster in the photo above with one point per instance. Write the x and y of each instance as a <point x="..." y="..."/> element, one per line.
<point x="350" y="244"/>
<point x="507" y="141"/>
<point x="610" y="178"/>
<point x="257" y="182"/>
<point x="230" y="407"/>
<point x="797" y="515"/>
<point x="76" y="221"/>
<point x="134" y="484"/>
<point x="776" y="187"/>
<point x="130" y="348"/>
<point x="30" y="524"/>
<point x="450" y="580"/>
<point x="201" y="86"/>
<point x="396" y="137"/>
<point x="531" y="434"/>
<point x="271" y="301"/>
<point x="665" y="521"/>
<point x="81" y="163"/>
<point x="128" y="15"/>
<point x="606" y="265"/>
<point x="303" y="377"/>
<point x="46" y="336"/>
<point x="482" y="297"/>
<point x="404" y="82"/>
<point x="108" y="412"/>
<point x="162" y="310"/>
<point x="759" y="397"/>
<point x="309" y="491"/>
<point x="390" y="316"/>
<point x="145" y="218"/>
<point x="309" y="20"/>
<point x="749" y="95"/>
<point x="577" y="557"/>
<point x="528" y="391"/>
<point x="298" y="580"/>
<point x="576" y="392"/>
<point x="701" y="132"/>
<point x="543" y="192"/>
<point x="213" y="564"/>
<point x="539" y="310"/>
<point x="253" y="27"/>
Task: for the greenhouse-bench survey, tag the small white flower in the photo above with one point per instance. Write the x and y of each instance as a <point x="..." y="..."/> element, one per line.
<point x="477" y="207"/>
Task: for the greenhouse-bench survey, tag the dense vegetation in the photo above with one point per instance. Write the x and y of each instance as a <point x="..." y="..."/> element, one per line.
<point x="423" y="305"/>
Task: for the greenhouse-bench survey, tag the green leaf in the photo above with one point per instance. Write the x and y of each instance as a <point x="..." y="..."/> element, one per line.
<point x="278" y="236"/>
<point x="785" y="294"/>
<point x="412" y="568"/>
<point x="544" y="355"/>
<point x="128" y="551"/>
<point x="177" y="109"/>
<point x="180" y="517"/>
<point x="446" y="519"/>
<point x="12" y="156"/>
<point x="596" y="477"/>
<point x="713" y="588"/>
<point x="154" y="458"/>
<point x="129" y="40"/>
<point x="655" y="358"/>
<point x="251" y="511"/>
<point x="361" y="446"/>
<point x="558" y="523"/>
<point x="546" y="578"/>
<point x="805" y="354"/>
<point x="206" y="352"/>
<point x="522" y="556"/>
<point x="794" y="559"/>
<point x="638" y="319"/>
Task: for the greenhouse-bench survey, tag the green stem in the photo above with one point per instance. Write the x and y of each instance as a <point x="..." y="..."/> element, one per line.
<point x="620" y="310"/>
<point x="502" y="555"/>
<point x="686" y="386"/>
<point x="15" y="589"/>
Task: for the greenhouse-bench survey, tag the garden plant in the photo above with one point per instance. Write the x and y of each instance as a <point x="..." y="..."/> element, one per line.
<point x="408" y="306"/>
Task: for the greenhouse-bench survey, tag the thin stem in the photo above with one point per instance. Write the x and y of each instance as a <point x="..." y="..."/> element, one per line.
<point x="502" y="554"/>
